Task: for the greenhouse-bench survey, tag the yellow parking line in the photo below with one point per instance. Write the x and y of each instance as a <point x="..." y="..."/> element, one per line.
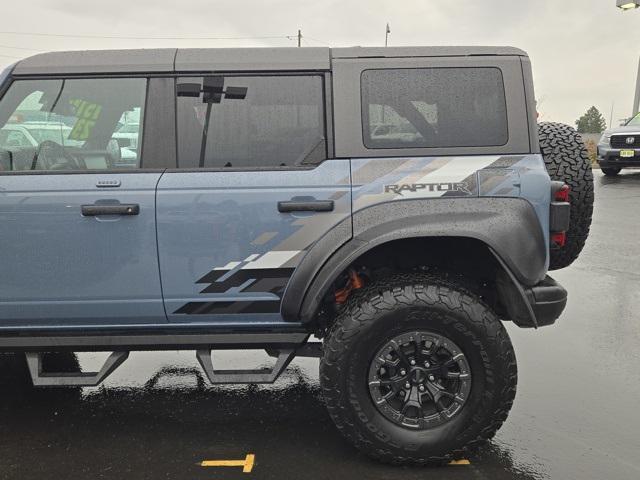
<point x="460" y="462"/>
<point x="246" y="464"/>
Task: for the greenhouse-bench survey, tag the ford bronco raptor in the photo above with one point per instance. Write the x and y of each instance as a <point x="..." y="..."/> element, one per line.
<point x="397" y="204"/>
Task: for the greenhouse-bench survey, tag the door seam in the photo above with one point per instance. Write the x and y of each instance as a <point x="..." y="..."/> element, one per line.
<point x="155" y="216"/>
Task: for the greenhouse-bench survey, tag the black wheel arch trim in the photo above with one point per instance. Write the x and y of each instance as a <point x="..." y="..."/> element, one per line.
<point x="508" y="226"/>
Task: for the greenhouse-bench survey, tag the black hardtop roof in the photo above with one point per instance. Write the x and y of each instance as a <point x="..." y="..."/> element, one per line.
<point x="172" y="60"/>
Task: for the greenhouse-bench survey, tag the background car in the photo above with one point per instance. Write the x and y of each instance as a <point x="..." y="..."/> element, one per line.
<point x="29" y="135"/>
<point x="619" y="147"/>
<point x="127" y="135"/>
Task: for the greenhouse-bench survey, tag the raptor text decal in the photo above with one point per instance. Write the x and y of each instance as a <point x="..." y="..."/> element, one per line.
<point x="430" y="187"/>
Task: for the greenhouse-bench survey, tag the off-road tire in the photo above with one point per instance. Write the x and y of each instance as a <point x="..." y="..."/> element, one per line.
<point x="401" y="303"/>
<point x="566" y="159"/>
<point x="611" y="172"/>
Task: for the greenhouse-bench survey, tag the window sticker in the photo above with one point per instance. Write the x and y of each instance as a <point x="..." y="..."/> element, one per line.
<point x="88" y="114"/>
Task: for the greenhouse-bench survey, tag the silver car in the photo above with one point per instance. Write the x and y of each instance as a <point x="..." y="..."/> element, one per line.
<point x="619" y="147"/>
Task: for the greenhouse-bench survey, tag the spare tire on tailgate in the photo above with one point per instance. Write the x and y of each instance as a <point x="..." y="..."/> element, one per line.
<point x="566" y="159"/>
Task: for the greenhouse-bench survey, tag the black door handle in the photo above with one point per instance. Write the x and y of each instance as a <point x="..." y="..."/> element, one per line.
<point x="305" y="206"/>
<point x="110" y="209"/>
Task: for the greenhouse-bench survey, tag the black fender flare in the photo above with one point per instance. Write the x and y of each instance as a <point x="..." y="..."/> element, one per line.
<point x="508" y="226"/>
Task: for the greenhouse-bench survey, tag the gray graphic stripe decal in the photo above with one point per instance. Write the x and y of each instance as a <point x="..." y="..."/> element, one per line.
<point x="501" y="162"/>
<point x="373" y="171"/>
<point x="459" y="170"/>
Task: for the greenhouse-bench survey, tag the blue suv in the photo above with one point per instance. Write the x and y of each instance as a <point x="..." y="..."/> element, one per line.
<point x="397" y="204"/>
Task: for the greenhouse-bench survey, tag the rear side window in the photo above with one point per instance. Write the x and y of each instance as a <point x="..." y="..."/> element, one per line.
<point x="250" y="122"/>
<point x="433" y="107"/>
<point x="73" y="124"/>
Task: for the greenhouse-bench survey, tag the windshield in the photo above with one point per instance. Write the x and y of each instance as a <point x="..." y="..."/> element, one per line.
<point x="635" y="121"/>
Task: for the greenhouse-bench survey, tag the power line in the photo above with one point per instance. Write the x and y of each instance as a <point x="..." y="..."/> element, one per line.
<point x="20" y="48"/>
<point x="289" y="37"/>
<point x="118" y="37"/>
<point x="299" y="38"/>
<point x="316" y="40"/>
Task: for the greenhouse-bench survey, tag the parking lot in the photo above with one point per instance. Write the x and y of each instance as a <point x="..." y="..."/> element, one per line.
<point x="575" y="415"/>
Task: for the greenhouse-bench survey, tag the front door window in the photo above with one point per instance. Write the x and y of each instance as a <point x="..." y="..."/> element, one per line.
<point x="73" y="124"/>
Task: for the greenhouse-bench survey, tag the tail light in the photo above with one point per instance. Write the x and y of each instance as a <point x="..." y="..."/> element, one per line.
<point x="562" y="194"/>
<point x="559" y="239"/>
<point x="559" y="213"/>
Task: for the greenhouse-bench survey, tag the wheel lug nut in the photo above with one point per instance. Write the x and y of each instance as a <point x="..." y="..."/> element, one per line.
<point x="431" y="378"/>
<point x="412" y="362"/>
<point x="407" y="385"/>
<point x="421" y="388"/>
<point x="427" y="364"/>
<point x="382" y="371"/>
<point x="403" y="372"/>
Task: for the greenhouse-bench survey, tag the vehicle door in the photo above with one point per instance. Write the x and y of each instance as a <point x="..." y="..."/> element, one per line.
<point x="254" y="189"/>
<point x="78" y="241"/>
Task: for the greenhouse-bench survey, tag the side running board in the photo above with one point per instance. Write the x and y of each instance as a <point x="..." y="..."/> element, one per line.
<point x="263" y="375"/>
<point x="73" y="379"/>
<point x="283" y="347"/>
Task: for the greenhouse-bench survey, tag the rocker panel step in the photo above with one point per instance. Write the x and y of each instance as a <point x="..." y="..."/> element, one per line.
<point x="263" y="375"/>
<point x="79" y="379"/>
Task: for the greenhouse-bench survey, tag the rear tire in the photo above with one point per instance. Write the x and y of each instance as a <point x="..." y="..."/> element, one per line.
<point x="611" y="172"/>
<point x="408" y="306"/>
<point x="566" y="159"/>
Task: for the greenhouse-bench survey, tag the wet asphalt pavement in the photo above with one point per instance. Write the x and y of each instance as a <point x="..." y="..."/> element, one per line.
<point x="575" y="415"/>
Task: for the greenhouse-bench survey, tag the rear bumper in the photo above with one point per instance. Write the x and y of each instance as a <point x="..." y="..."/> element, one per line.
<point x="529" y="307"/>
<point x="548" y="300"/>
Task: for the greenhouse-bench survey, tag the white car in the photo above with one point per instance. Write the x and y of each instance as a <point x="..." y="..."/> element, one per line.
<point x="127" y="135"/>
<point x="32" y="134"/>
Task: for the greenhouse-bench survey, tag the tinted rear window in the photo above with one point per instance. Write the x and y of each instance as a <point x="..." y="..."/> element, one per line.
<point x="433" y="107"/>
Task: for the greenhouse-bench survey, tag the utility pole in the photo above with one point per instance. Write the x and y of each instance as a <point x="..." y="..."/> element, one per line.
<point x="636" y="97"/>
<point x="632" y="5"/>
<point x="611" y="116"/>
<point x="386" y="36"/>
<point x="299" y="38"/>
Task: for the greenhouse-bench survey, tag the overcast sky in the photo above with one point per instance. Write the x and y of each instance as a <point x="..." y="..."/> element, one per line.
<point x="584" y="52"/>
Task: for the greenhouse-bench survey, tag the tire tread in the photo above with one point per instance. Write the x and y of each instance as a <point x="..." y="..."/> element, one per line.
<point x="567" y="160"/>
<point x="384" y="295"/>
